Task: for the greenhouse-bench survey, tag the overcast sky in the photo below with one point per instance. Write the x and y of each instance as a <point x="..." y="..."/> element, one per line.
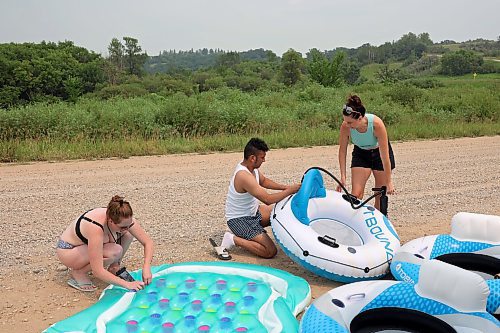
<point x="241" y="25"/>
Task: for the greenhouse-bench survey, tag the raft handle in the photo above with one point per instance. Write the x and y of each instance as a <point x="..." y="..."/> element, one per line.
<point x="357" y="296"/>
<point x="351" y="198"/>
<point x="327" y="240"/>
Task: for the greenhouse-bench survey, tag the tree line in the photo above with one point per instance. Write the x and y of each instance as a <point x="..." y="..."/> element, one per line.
<point x="47" y="71"/>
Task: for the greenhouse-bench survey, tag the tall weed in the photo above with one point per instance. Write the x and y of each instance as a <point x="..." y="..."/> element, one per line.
<point x="308" y="114"/>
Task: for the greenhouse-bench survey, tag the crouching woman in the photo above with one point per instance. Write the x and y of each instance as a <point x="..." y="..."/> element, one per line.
<point x="99" y="238"/>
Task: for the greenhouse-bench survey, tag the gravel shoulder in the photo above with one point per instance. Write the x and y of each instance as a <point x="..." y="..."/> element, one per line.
<point x="179" y="199"/>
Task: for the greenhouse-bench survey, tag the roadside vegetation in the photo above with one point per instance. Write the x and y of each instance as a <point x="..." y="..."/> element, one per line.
<point x="60" y="101"/>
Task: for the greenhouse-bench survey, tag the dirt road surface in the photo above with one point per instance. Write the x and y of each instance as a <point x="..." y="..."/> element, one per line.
<point x="179" y="199"/>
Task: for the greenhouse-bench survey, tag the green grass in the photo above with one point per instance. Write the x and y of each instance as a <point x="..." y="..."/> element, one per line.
<point x="369" y="71"/>
<point x="495" y="59"/>
<point x="56" y="150"/>
<point x="452" y="47"/>
<point x="223" y="120"/>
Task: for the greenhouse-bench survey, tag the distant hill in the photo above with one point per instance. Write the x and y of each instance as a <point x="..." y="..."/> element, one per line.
<point x="173" y="60"/>
<point x="408" y="48"/>
<point x="488" y="48"/>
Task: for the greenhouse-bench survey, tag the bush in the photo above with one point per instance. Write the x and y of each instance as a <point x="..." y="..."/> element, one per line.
<point x="405" y="94"/>
<point x="314" y="92"/>
<point x="126" y="90"/>
<point x="425" y="83"/>
<point x="424" y="65"/>
<point x="186" y="116"/>
<point x="489" y="67"/>
<point x="387" y="75"/>
<point x="390" y="114"/>
<point x="460" y="62"/>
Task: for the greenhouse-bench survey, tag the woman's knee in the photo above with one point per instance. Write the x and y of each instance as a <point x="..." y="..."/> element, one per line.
<point x="113" y="251"/>
<point x="358" y="193"/>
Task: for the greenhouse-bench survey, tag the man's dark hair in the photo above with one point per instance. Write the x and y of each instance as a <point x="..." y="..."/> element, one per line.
<point x="253" y="146"/>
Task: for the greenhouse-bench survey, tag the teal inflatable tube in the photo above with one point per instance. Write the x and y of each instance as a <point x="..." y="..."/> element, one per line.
<point x="198" y="297"/>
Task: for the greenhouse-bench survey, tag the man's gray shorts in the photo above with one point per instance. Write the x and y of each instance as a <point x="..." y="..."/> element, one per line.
<point x="247" y="227"/>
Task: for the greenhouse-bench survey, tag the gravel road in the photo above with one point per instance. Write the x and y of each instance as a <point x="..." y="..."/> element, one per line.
<point x="179" y="199"/>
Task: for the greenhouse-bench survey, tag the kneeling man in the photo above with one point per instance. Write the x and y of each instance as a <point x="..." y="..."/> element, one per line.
<point x="246" y="218"/>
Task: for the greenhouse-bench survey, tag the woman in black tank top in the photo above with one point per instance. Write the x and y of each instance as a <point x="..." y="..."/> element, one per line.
<point x="97" y="240"/>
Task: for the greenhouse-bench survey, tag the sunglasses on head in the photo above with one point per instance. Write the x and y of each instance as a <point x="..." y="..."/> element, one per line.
<point x="349" y="111"/>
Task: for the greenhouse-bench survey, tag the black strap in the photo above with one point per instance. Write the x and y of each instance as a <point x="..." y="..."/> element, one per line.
<point x="118" y="234"/>
<point x="77" y="227"/>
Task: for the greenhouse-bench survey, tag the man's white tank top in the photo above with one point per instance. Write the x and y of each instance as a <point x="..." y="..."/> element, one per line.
<point x="240" y="204"/>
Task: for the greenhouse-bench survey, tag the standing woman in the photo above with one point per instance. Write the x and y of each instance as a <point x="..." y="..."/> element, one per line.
<point x="99" y="238"/>
<point x="372" y="151"/>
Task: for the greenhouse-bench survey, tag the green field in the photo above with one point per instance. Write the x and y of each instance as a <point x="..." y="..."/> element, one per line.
<point x="369" y="71"/>
<point x="224" y="119"/>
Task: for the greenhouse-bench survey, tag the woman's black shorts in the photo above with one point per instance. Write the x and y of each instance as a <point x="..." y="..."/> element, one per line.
<point x="370" y="159"/>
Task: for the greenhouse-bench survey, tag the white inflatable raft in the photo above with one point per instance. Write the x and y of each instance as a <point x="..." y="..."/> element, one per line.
<point x="321" y="231"/>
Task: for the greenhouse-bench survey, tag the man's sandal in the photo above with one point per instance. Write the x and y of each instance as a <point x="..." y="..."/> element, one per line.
<point x="222" y="253"/>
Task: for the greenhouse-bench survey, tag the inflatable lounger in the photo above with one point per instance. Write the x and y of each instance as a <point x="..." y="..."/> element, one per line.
<point x="198" y="297"/>
<point x="446" y="299"/>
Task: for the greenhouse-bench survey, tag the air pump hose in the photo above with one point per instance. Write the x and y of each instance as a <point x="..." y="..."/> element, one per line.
<point x="384" y="200"/>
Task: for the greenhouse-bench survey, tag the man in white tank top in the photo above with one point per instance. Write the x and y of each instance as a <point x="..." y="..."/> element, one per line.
<point x="246" y="218"/>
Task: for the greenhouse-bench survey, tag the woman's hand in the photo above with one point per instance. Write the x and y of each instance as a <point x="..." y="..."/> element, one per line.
<point x="339" y="188"/>
<point x="146" y="274"/>
<point x="390" y="188"/>
<point x="134" y="285"/>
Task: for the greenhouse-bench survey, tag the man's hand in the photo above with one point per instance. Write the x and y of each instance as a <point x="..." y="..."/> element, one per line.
<point x="294" y="188"/>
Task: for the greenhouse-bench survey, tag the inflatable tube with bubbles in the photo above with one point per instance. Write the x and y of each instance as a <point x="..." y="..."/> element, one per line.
<point x="446" y="299"/>
<point x="473" y="244"/>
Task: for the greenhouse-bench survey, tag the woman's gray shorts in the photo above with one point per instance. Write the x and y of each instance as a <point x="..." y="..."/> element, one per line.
<point x="247" y="227"/>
